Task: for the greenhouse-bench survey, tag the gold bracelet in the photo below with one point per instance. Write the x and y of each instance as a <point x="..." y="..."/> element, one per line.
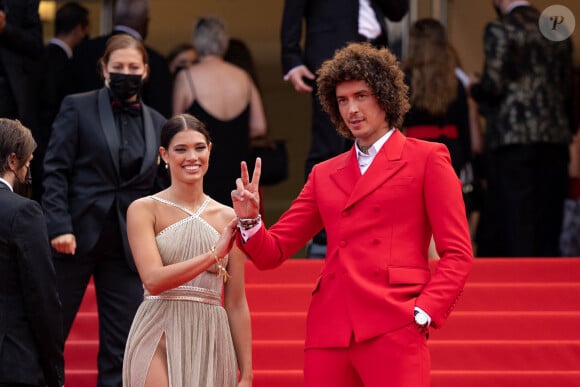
<point x="221" y="270"/>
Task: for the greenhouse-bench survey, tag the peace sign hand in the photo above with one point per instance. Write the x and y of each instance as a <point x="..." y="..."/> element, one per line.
<point x="246" y="197"/>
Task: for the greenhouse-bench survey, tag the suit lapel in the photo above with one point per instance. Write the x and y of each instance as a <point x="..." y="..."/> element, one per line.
<point x="109" y="127"/>
<point x="347" y="173"/>
<point x="385" y="165"/>
<point x="150" y="140"/>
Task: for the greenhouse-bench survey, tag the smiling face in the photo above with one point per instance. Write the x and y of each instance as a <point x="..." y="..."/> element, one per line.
<point x="187" y="155"/>
<point x="361" y="112"/>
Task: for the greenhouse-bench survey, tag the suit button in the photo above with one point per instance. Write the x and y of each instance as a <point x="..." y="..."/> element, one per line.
<point x="376" y="242"/>
<point x="342" y="244"/>
<point x="345" y="214"/>
<point x="332" y="276"/>
<point x="377" y="209"/>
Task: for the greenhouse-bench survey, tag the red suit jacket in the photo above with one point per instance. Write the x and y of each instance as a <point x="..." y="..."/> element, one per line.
<point x="379" y="226"/>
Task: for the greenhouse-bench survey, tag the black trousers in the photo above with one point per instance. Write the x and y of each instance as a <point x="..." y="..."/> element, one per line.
<point x="527" y="185"/>
<point x="119" y="294"/>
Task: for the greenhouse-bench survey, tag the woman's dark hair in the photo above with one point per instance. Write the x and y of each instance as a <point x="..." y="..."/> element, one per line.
<point x="378" y="68"/>
<point x="14" y="138"/>
<point x="180" y="123"/>
<point x="175" y="51"/>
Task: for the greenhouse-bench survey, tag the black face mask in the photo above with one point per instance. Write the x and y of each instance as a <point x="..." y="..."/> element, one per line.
<point x="125" y="86"/>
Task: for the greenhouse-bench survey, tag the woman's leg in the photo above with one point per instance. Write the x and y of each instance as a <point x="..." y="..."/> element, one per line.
<point x="157" y="374"/>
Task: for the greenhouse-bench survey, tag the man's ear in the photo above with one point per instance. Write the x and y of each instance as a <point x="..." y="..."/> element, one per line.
<point x="13" y="163"/>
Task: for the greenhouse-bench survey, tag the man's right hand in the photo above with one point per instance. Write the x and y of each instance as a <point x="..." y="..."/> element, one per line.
<point x="64" y="244"/>
<point x="246" y="196"/>
<point x="297" y="75"/>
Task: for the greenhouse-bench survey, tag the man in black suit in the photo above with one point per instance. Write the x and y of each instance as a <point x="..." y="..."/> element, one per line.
<point x="71" y="27"/>
<point x="102" y="155"/>
<point x="131" y="17"/>
<point x="21" y="48"/>
<point x="526" y="89"/>
<point x="329" y="26"/>
<point x="31" y="339"/>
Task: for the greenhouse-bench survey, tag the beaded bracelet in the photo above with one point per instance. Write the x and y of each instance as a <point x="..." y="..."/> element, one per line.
<point x="248" y="223"/>
<point x="221" y="270"/>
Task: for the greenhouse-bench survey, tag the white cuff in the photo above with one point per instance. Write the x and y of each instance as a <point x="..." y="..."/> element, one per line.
<point x="247" y="234"/>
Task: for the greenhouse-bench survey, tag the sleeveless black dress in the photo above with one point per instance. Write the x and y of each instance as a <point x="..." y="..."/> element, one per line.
<point x="231" y="145"/>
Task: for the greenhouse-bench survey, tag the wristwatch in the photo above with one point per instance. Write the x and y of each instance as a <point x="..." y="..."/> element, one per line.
<point x="421" y="319"/>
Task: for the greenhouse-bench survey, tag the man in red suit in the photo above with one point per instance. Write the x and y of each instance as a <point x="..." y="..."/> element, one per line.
<point x="380" y="202"/>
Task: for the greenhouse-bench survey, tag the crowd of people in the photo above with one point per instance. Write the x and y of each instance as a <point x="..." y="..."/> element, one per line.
<point x="141" y="182"/>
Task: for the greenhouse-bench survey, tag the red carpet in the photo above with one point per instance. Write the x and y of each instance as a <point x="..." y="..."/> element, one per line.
<point x="517" y="324"/>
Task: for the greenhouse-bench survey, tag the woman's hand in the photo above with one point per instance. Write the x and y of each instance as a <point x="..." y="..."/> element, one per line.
<point x="246" y="196"/>
<point x="245" y="383"/>
<point x="226" y="239"/>
<point x="64" y="244"/>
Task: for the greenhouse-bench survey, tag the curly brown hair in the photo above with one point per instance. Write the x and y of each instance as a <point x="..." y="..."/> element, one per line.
<point x="378" y="68"/>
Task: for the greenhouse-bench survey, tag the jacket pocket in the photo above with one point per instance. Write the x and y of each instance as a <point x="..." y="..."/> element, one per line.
<point x="408" y="275"/>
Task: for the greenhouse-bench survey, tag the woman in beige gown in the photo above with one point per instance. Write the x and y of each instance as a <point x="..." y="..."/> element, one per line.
<point x="182" y="335"/>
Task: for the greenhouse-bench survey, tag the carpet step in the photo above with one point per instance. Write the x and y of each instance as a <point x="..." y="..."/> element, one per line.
<point x="509" y="378"/>
<point x="500" y="325"/>
<point x="484" y="270"/>
<point x="551" y="296"/>
<point x="294" y="378"/>
<point x="498" y="355"/>
<point x="81" y="377"/>
<point x="85" y="327"/>
<point x="278" y="326"/>
<point x="516" y="325"/>
<point x="503" y="355"/>
<point x="525" y="270"/>
<point x="304" y="271"/>
<point x="502" y="296"/>
<point x="81" y="355"/>
<point x="461" y="325"/>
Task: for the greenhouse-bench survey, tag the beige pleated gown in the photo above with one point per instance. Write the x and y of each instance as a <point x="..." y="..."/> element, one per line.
<point x="200" y="351"/>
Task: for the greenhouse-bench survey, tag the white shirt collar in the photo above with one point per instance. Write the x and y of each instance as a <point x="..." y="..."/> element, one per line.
<point x="129" y="31"/>
<point x="374" y="149"/>
<point x="365" y="160"/>
<point x="7" y="183"/>
<point x="66" y="48"/>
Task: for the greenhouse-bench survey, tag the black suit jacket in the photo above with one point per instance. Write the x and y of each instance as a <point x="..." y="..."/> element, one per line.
<point x="21" y="48"/>
<point x="31" y="338"/>
<point x="58" y="83"/>
<point x="156" y="92"/>
<point x="81" y="169"/>
<point x="330" y="24"/>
